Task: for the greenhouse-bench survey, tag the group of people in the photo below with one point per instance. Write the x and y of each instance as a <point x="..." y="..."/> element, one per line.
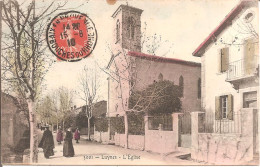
<point x="47" y="142"/>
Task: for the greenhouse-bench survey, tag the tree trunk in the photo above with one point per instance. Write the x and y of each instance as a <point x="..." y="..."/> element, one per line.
<point x="126" y="130"/>
<point x="57" y="126"/>
<point x="88" y="128"/>
<point x="33" y="133"/>
<point x="63" y="125"/>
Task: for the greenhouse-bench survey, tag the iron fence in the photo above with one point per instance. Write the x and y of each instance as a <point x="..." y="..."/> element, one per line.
<point x="165" y="121"/>
<point x="208" y="123"/>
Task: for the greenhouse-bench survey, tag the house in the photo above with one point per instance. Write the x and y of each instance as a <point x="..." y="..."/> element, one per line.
<point x="99" y="110"/>
<point x="15" y="128"/>
<point x="131" y="70"/>
<point x="230" y="89"/>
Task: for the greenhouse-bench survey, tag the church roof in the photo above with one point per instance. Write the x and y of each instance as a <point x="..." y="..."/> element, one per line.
<point x="223" y="25"/>
<point x="162" y="59"/>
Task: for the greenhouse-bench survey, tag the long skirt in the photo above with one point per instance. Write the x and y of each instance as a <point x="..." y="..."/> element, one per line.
<point x="68" y="150"/>
<point x="48" y="152"/>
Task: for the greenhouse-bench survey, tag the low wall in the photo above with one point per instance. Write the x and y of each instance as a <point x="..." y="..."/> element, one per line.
<point x="226" y="148"/>
<point x="102" y="137"/>
<point x="160" y="141"/>
<point x="223" y="148"/>
<point x="134" y="141"/>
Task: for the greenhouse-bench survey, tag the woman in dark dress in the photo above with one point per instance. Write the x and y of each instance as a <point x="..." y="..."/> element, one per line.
<point x="68" y="150"/>
<point x="47" y="143"/>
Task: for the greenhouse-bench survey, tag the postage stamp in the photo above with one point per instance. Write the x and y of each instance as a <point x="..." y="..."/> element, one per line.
<point x="71" y="36"/>
<point x="129" y="82"/>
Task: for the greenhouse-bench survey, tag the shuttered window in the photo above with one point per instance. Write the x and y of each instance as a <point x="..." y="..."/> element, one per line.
<point x="224" y="59"/>
<point x="224" y="107"/>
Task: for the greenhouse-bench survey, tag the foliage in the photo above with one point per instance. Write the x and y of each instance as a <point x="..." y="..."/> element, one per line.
<point x="161" y="97"/>
<point x="136" y="123"/>
<point x="101" y="124"/>
<point x="118" y="124"/>
<point x="70" y="122"/>
<point x="82" y="119"/>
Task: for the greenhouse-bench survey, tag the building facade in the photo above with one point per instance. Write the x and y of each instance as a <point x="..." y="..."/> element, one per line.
<point x="230" y="81"/>
<point x="131" y="70"/>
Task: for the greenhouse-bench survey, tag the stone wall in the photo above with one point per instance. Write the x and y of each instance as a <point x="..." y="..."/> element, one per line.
<point x="226" y="148"/>
<point x="102" y="137"/>
<point x="160" y="141"/>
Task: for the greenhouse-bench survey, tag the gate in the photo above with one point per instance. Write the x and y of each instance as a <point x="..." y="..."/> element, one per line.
<point x="184" y="130"/>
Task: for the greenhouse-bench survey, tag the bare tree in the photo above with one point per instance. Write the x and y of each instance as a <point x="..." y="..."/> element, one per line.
<point x="65" y="103"/>
<point x="24" y="62"/>
<point x="89" y="86"/>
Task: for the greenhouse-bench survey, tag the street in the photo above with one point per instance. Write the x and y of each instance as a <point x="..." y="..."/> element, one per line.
<point x="93" y="153"/>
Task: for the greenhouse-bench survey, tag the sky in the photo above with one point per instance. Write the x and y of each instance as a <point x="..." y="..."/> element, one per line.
<point x="184" y="23"/>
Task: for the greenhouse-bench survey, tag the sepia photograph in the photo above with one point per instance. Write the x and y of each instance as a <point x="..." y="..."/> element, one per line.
<point x="129" y="82"/>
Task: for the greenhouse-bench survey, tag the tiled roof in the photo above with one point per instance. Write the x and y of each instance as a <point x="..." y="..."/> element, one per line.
<point x="223" y="25"/>
<point x="162" y="59"/>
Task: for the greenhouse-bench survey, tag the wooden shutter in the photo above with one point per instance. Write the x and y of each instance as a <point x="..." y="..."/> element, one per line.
<point x="224" y="59"/>
<point x="230" y="107"/>
<point x="250" y="59"/>
<point x="217" y="108"/>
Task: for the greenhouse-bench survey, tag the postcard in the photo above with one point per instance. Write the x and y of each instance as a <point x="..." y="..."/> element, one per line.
<point x="129" y="82"/>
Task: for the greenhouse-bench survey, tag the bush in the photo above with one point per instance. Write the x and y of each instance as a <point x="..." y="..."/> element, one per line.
<point x="161" y="97"/>
<point x="101" y="124"/>
<point x="136" y="123"/>
<point x="118" y="124"/>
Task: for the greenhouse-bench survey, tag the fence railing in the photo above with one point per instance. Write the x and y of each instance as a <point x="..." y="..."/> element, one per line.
<point x="208" y="123"/>
<point x="165" y="121"/>
<point x="242" y="68"/>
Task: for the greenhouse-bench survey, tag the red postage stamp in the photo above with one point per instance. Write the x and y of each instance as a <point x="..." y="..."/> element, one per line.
<point x="71" y="36"/>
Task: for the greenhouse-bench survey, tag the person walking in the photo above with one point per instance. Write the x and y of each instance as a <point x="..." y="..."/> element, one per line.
<point x="47" y="143"/>
<point x="77" y="135"/>
<point x="59" y="137"/>
<point x="68" y="150"/>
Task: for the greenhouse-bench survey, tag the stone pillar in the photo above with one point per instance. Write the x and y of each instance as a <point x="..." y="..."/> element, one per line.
<point x="247" y="133"/>
<point x="175" y="129"/>
<point x="194" y="134"/>
<point x="146" y="128"/>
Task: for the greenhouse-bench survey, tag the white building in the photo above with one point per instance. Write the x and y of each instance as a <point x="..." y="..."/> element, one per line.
<point x="230" y="82"/>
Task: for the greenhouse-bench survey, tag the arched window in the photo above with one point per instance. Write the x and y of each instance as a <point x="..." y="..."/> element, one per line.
<point x="117" y="31"/>
<point x="160" y="77"/>
<point x="181" y="84"/>
<point x="199" y="88"/>
<point x="131" y="27"/>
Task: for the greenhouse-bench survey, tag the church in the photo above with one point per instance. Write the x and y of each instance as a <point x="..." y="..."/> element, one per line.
<point x="131" y="70"/>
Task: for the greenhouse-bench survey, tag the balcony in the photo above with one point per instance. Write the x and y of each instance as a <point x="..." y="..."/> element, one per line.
<point x="242" y="69"/>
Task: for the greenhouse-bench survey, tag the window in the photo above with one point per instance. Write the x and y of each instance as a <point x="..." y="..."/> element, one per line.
<point x="224" y="59"/>
<point x="160" y="77"/>
<point x="224" y="107"/>
<point x="181" y="84"/>
<point x="249" y="16"/>
<point x="250" y="100"/>
<point x="131" y="28"/>
<point x="117" y="31"/>
<point x="199" y="88"/>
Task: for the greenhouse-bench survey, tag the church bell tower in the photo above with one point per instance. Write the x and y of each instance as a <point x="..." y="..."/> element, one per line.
<point x="127" y="28"/>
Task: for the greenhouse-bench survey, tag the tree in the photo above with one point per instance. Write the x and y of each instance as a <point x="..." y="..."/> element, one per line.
<point x="89" y="87"/>
<point x="124" y="72"/>
<point x="24" y="62"/>
<point x="66" y="103"/>
<point x="162" y="97"/>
